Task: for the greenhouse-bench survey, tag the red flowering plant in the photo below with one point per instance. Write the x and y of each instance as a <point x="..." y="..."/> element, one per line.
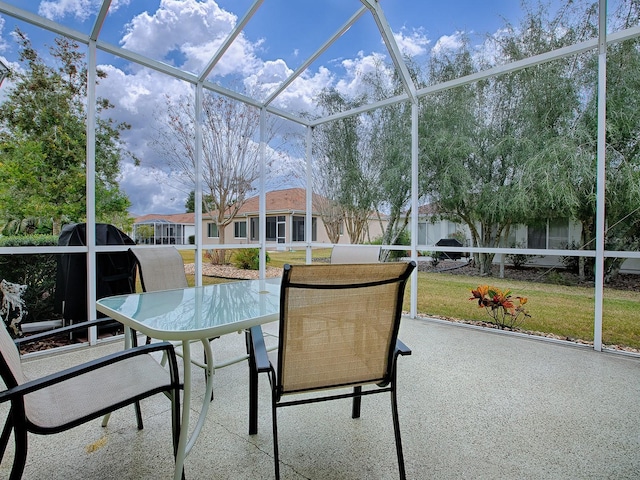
<point x="500" y="307"/>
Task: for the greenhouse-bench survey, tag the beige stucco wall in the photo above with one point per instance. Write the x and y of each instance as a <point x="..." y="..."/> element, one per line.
<point x="375" y="231"/>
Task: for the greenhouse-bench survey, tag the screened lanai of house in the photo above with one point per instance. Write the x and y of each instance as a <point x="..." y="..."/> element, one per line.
<point x="205" y="70"/>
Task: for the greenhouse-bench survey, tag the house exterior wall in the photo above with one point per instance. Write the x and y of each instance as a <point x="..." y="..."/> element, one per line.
<point x="286" y="223"/>
<point x="558" y="234"/>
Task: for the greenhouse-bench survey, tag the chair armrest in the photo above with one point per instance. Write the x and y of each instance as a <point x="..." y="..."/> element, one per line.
<point x="259" y="349"/>
<point x="401" y="348"/>
<point x="46" y="381"/>
<point x="71" y="328"/>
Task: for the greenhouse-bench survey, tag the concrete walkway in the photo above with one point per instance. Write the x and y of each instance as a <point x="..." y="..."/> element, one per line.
<point x="473" y="404"/>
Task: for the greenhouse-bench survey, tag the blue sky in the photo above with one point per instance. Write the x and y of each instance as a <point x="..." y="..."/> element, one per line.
<point x="282" y="35"/>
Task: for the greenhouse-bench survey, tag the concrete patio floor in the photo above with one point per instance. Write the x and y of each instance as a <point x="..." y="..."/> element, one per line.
<point x="473" y="404"/>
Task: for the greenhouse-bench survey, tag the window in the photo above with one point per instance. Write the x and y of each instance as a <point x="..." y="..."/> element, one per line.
<point x="270" y="230"/>
<point x="536" y="237"/>
<point x="240" y="229"/>
<point x="555" y="234"/>
<point x="254" y="227"/>
<point x="297" y="235"/>
<point x="212" y="230"/>
<point x="558" y="233"/>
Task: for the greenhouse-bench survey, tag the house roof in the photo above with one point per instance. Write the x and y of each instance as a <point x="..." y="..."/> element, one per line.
<point x="290" y="200"/>
<point x="287" y="201"/>
<point x="428" y="209"/>
<point x="181" y="218"/>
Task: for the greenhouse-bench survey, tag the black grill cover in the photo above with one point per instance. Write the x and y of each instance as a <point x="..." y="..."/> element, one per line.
<point x="449" y="242"/>
<point x="115" y="271"/>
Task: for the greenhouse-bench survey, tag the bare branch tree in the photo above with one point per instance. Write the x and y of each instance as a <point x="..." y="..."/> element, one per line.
<point x="230" y="153"/>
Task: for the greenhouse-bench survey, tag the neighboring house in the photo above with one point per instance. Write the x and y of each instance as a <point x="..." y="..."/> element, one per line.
<point x="158" y="229"/>
<point x="555" y="234"/>
<point x="285" y="221"/>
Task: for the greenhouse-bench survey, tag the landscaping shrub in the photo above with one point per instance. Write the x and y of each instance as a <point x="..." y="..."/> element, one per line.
<point x="37" y="271"/>
<point x="248" y="258"/>
<point x="394" y="255"/>
<point x="519" y="260"/>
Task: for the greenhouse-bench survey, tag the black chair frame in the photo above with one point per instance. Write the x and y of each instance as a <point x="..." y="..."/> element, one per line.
<point x="21" y="426"/>
<point x="259" y="363"/>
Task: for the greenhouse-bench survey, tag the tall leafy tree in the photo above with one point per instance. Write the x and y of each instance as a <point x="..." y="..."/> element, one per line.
<point x="43" y="144"/>
<point x="344" y="166"/>
<point x="486" y="147"/>
<point x="622" y="191"/>
<point x="391" y="152"/>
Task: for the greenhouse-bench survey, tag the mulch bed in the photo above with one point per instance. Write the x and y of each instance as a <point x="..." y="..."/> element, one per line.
<point x="555" y="276"/>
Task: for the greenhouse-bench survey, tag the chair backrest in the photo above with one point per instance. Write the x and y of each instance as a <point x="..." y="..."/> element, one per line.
<point x="355" y="254"/>
<point x="339" y="324"/>
<point x="10" y="365"/>
<point x="161" y="268"/>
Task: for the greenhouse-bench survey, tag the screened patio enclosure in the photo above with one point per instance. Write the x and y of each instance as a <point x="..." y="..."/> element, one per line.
<point x="205" y="70"/>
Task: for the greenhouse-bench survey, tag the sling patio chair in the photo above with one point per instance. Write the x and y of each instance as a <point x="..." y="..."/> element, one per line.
<point x="162" y="268"/>
<point x="338" y="328"/>
<point x="355" y="254"/>
<point x="71" y="397"/>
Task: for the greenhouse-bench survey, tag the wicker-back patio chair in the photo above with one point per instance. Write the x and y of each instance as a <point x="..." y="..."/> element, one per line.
<point x="338" y="328"/>
<point x="74" y="396"/>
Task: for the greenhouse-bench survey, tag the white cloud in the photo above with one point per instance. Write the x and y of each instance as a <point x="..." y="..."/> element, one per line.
<point x="151" y="190"/>
<point x="80" y="9"/>
<point x="356" y="69"/>
<point x="413" y="44"/>
<point x="4" y="46"/>
<point x="449" y="43"/>
<point x="188" y="33"/>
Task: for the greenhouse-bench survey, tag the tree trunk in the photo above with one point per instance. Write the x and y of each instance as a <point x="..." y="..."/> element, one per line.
<point x="485" y="263"/>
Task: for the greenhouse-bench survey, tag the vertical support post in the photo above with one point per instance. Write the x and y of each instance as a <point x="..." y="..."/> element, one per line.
<point x="262" y="214"/>
<point x="308" y="225"/>
<point x="198" y="105"/>
<point x="414" y="206"/>
<point x="601" y="174"/>
<point x="91" y="190"/>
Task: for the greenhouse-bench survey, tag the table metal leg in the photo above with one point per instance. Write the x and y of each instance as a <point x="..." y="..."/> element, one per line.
<point x="186" y="441"/>
<point x="186" y="410"/>
<point x="253" y="387"/>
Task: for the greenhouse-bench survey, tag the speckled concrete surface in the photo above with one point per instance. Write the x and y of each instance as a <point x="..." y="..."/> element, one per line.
<point x="474" y="404"/>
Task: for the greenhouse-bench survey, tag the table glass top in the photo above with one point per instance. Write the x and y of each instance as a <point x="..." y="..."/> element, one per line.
<point x="208" y="308"/>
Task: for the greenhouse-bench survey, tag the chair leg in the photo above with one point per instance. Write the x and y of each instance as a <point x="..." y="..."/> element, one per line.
<point x="357" y="401"/>
<point x="6" y="433"/>
<point x="139" y="416"/>
<point x="175" y="423"/>
<point x="20" y="456"/>
<point x="396" y="430"/>
<point x="276" y="458"/>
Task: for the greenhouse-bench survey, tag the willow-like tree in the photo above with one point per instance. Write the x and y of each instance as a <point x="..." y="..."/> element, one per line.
<point x="43" y="145"/>
<point x="344" y="167"/>
<point x="622" y="159"/>
<point x="486" y="146"/>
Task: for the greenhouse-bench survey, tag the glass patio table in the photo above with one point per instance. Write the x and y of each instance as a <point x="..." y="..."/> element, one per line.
<point x="195" y="314"/>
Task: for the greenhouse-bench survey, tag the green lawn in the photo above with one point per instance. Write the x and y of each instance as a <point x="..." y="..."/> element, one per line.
<point x="561" y="310"/>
